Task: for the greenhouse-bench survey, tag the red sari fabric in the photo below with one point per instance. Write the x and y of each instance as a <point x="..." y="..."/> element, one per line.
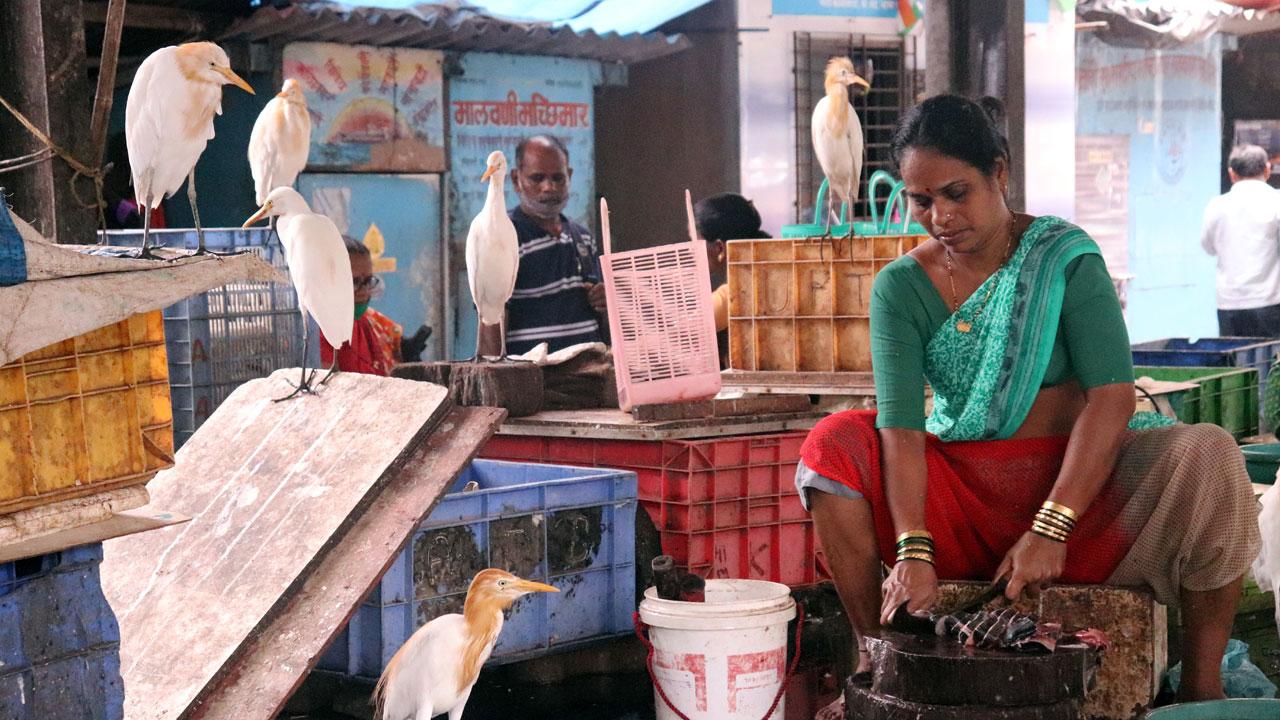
<point x="981" y="497"/>
<point x="375" y="342"/>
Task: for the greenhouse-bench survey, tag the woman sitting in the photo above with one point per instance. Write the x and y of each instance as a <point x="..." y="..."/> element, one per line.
<point x="1025" y="469"/>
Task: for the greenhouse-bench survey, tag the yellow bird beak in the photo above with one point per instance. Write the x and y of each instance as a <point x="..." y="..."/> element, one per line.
<point x="857" y="80"/>
<point x="236" y="79"/>
<point x="531" y="586"/>
<point x="488" y="172"/>
<point x="262" y="212"/>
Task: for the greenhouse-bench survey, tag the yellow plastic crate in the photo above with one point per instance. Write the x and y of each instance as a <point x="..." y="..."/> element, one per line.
<point x="85" y="415"/>
<point x="803" y="304"/>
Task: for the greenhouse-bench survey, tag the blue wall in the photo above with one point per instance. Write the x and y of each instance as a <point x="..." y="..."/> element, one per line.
<point x="1168" y="103"/>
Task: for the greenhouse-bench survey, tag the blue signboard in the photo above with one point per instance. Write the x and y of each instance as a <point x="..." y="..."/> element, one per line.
<point x="493" y="104"/>
<point x="849" y="8"/>
<point x="398" y="219"/>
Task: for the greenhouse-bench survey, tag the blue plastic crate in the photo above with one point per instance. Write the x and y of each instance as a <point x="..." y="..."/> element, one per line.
<point x="220" y="339"/>
<point x="1238" y="352"/>
<point x="59" y="639"/>
<point x="573" y="528"/>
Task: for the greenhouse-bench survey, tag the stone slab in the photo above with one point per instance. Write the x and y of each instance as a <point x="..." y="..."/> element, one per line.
<point x="863" y="704"/>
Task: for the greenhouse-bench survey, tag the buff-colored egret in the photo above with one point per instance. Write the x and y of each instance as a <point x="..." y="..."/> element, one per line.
<point x="837" y="135"/>
<point x="493" y="254"/>
<point x="434" y="671"/>
<point x="319" y="268"/>
<point x="168" y="120"/>
<point x="280" y="140"/>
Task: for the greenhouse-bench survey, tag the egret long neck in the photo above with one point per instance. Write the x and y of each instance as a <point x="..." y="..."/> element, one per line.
<point x="482" y="614"/>
<point x="495" y="202"/>
<point x="839" y="95"/>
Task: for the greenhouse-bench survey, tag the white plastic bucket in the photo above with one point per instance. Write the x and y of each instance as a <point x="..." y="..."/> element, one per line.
<point x="723" y="659"/>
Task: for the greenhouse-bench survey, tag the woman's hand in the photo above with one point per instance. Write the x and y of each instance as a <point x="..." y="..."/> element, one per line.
<point x="911" y="581"/>
<point x="1032" y="563"/>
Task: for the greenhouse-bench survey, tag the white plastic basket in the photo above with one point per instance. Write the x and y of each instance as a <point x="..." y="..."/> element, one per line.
<point x="661" y="319"/>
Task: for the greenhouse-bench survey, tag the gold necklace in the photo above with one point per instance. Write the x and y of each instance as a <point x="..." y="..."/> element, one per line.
<point x="963" y="325"/>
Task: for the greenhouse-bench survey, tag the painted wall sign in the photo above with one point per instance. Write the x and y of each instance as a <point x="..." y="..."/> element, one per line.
<point x="372" y="108"/>
<point x="497" y="101"/>
<point x="850" y="8"/>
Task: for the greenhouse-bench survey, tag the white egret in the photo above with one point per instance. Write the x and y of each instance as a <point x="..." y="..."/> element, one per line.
<point x="168" y="120"/>
<point x="280" y="140"/>
<point x="493" y="254"/>
<point x="434" y="671"/>
<point x="837" y="135"/>
<point x="319" y="268"/>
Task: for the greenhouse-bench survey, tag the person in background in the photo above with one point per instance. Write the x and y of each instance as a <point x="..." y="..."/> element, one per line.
<point x="377" y="343"/>
<point x="1242" y="230"/>
<point x="720" y="218"/>
<point x="558" y="297"/>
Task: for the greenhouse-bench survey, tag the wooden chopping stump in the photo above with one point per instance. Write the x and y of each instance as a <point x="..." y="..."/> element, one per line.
<point x="514" y="386"/>
<point x="925" y="676"/>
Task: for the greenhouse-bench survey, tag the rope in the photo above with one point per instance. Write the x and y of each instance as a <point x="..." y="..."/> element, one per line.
<point x="25" y="161"/>
<point x="94" y="174"/>
<point x="648" y="663"/>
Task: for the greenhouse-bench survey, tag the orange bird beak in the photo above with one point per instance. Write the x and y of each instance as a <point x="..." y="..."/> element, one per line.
<point x="531" y="586"/>
<point x="488" y="172"/>
<point x="262" y="212"/>
<point x="857" y="80"/>
<point x="235" y="79"/>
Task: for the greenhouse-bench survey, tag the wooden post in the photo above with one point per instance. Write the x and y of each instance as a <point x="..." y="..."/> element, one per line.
<point x="42" y="53"/>
<point x="106" y="81"/>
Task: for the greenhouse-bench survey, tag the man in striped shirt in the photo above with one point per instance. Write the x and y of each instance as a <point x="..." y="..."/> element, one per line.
<point x="558" y="297"/>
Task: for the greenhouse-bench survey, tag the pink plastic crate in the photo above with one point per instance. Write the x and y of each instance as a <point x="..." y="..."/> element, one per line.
<point x="661" y="319"/>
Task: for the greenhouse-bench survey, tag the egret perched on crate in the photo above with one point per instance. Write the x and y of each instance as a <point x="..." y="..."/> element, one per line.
<point x="168" y="120"/>
<point x="319" y="268"/>
<point x="434" y="671"/>
<point x="493" y="254"/>
<point x="837" y="135"/>
<point x="280" y="140"/>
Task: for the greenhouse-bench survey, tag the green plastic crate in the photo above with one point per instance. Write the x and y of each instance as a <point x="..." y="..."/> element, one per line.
<point x="1262" y="461"/>
<point x="1225" y="397"/>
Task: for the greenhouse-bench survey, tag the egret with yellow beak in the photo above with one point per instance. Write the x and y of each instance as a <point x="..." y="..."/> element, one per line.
<point x="493" y="254"/>
<point x="434" y="671"/>
<point x="280" y="140"/>
<point x="837" y="135"/>
<point x="168" y="120"/>
<point x="319" y="269"/>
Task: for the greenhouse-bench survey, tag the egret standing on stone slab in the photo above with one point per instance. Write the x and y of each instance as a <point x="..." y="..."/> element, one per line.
<point x="168" y="120"/>
<point x="319" y="269"/>
<point x="493" y="254"/>
<point x="434" y="671"/>
<point x="837" y="136"/>
<point x="280" y="140"/>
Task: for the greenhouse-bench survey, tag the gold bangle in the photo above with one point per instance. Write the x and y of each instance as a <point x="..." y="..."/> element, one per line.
<point x="915" y="534"/>
<point x="1055" y="507"/>
<point x="1051" y="533"/>
<point x="1064" y="525"/>
<point x="1051" y="527"/>
<point x="915" y="542"/>
<point x="916" y="556"/>
<point x="1061" y="517"/>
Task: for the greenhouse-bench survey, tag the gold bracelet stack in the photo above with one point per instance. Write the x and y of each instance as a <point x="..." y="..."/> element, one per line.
<point x="1054" y="521"/>
<point x="915" y="545"/>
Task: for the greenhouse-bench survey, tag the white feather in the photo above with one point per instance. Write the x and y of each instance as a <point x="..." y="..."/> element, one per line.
<point x="427" y="684"/>
<point x="839" y="150"/>
<point x="169" y="121"/>
<point x="318" y="264"/>
<point x="280" y="141"/>
<point x="493" y="251"/>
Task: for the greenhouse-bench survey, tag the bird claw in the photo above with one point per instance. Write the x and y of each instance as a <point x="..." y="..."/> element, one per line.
<point x="303" y="388"/>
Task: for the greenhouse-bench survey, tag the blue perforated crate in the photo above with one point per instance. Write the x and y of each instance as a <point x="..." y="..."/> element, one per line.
<point x="59" y="640"/>
<point x="1238" y="352"/>
<point x="222" y="338"/>
<point x="573" y="528"/>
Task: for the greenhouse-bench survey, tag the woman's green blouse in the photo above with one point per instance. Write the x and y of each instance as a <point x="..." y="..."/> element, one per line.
<point x="1091" y="345"/>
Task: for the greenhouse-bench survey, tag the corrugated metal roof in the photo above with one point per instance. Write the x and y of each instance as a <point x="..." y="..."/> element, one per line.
<point x="446" y="26"/>
<point x="1170" y="23"/>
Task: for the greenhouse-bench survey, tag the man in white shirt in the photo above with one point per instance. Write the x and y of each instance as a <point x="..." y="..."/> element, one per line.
<point x="1242" y="229"/>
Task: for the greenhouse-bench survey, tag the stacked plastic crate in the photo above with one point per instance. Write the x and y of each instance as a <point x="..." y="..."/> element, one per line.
<point x="222" y="338"/>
